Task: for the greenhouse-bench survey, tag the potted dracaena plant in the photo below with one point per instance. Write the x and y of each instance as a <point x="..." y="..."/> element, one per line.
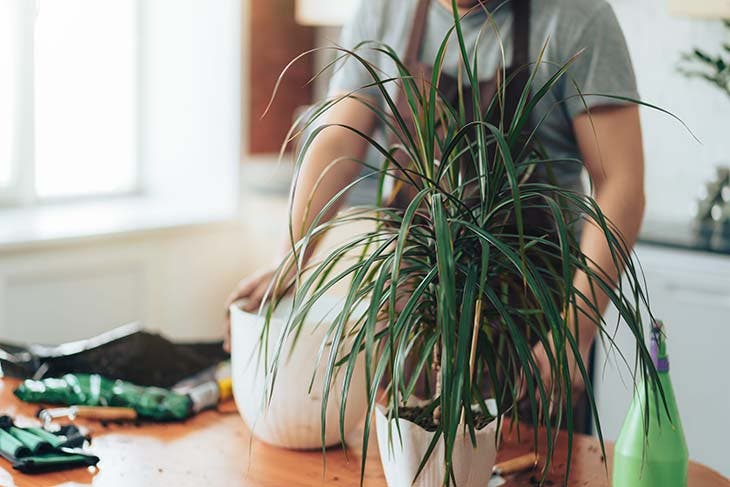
<point x="433" y="284"/>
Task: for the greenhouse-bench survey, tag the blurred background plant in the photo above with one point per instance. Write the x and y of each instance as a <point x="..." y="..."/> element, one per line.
<point x="713" y="68"/>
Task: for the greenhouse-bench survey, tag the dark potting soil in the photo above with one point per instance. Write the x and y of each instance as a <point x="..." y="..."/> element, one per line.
<point x="127" y="353"/>
<point x="423" y="417"/>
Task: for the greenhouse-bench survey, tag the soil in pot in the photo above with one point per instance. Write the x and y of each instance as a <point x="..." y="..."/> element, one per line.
<point x="423" y="417"/>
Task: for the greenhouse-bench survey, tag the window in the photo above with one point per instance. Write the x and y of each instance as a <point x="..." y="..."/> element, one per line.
<point x="137" y="98"/>
<point x="85" y="97"/>
<point x="82" y="101"/>
<point x="8" y="60"/>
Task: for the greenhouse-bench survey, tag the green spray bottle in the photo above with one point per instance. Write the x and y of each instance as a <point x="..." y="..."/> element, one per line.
<point x="660" y="458"/>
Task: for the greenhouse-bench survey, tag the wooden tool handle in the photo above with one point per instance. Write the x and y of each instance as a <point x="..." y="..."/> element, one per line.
<point x="105" y="413"/>
<point x="519" y="464"/>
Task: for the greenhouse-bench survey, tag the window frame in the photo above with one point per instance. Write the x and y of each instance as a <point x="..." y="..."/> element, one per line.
<point x="21" y="191"/>
<point x="190" y="167"/>
<point x="15" y="192"/>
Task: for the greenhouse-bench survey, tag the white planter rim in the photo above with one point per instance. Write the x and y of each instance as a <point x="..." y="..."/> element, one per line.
<point x="491" y="406"/>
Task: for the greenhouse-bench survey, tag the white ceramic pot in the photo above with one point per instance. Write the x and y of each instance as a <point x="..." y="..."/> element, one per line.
<point x="292" y="419"/>
<point x="472" y="466"/>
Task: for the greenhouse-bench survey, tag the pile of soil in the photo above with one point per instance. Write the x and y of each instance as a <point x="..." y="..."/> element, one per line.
<point x="127" y="353"/>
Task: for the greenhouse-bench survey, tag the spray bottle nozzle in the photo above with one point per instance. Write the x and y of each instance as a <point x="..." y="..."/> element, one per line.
<point x="659" y="347"/>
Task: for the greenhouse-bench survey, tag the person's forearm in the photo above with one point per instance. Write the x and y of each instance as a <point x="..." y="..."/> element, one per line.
<point x="318" y="183"/>
<point x="622" y="202"/>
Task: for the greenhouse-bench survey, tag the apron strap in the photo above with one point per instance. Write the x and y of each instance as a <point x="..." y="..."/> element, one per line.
<point x="521" y="37"/>
<point x="520" y="42"/>
<point x="415" y="41"/>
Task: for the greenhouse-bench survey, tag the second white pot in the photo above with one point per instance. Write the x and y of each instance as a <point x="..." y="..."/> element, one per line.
<point x="292" y="418"/>
<point x="472" y="466"/>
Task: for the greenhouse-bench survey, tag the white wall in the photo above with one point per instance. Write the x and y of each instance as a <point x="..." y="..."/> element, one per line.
<point x="677" y="165"/>
<point x="190" y="106"/>
<point x="174" y="281"/>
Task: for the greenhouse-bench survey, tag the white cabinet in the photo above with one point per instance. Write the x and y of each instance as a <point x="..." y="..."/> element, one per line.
<point x="690" y="291"/>
<point x="172" y="281"/>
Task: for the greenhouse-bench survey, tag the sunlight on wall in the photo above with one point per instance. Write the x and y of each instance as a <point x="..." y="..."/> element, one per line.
<point x="86" y="97"/>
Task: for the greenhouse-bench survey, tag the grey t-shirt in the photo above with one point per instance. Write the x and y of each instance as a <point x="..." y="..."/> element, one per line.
<point x="565" y="26"/>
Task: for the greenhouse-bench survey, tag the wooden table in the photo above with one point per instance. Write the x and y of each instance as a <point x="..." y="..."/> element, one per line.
<point x="215" y="449"/>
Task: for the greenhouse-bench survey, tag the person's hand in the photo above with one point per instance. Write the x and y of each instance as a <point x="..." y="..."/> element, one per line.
<point x="250" y="291"/>
<point x="543" y="364"/>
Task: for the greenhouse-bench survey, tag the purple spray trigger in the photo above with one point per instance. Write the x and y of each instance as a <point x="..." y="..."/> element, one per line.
<point x="658" y="354"/>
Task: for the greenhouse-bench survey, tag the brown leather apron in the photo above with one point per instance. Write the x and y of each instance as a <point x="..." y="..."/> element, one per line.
<point x="518" y="73"/>
<point x="536" y="221"/>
